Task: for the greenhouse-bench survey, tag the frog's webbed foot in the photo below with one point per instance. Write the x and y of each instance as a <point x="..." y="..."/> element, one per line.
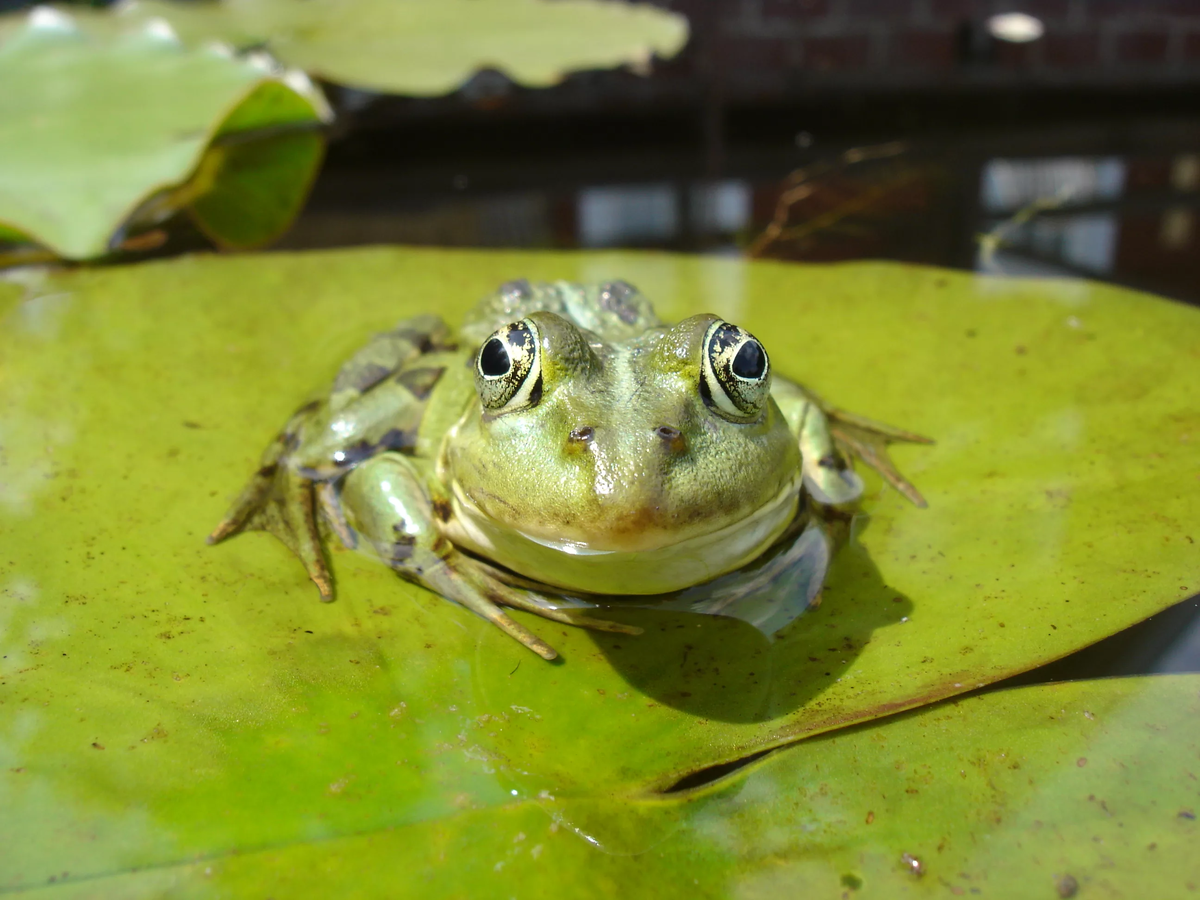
<point x="522" y="593"/>
<point x="280" y="501"/>
<point x="386" y="502"/>
<point x="461" y="579"/>
<point x="860" y="437"/>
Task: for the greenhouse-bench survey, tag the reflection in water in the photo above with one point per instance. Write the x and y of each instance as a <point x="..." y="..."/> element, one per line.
<point x="1087" y="241"/>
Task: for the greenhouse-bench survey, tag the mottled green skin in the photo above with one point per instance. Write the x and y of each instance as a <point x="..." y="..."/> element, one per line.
<point x="627" y="488"/>
<point x="622" y="477"/>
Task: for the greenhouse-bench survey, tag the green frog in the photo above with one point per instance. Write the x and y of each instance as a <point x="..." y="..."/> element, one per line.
<point x="564" y="449"/>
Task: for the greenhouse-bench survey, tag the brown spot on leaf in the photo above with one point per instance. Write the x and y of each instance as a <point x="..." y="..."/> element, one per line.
<point x="1067" y="886"/>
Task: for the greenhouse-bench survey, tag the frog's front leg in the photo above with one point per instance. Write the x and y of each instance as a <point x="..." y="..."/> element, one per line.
<point x="830" y="438"/>
<point x="385" y="501"/>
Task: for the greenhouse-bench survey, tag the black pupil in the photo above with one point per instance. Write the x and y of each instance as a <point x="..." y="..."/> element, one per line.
<point x="750" y="361"/>
<point x="493" y="359"/>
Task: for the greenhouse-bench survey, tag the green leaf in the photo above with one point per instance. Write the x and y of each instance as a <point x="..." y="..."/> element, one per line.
<point x="433" y="46"/>
<point x="1086" y="787"/>
<point x="165" y="701"/>
<point x="103" y="130"/>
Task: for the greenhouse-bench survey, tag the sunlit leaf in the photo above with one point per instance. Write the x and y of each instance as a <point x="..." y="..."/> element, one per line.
<point x="165" y="701"/>
<point x="433" y="46"/>
<point x="1084" y="788"/>
<point x="102" y="130"/>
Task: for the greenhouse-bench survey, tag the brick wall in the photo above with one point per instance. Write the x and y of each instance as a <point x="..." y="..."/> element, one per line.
<point x="764" y="43"/>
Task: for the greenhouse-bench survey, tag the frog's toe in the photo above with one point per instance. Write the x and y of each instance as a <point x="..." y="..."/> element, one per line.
<point x="509" y="626"/>
<point x="597" y="624"/>
<point x="526" y="637"/>
<point x="530" y="601"/>
<point x="580" y="621"/>
<point x="246" y="507"/>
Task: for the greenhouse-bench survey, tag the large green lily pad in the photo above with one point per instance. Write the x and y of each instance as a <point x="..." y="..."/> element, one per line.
<point x="164" y="701"/>
<point x="103" y="129"/>
<point x="427" y="47"/>
<point x="1080" y="788"/>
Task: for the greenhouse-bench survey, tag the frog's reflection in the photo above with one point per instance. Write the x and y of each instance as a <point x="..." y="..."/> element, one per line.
<point x="759" y="658"/>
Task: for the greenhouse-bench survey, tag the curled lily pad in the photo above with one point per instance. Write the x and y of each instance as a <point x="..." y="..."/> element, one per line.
<point x="164" y="700"/>
<point x="104" y="130"/>
<point x="432" y="46"/>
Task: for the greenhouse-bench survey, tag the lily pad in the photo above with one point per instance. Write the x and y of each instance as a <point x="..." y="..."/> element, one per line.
<point x="432" y="46"/>
<point x="1080" y="788"/>
<point x="104" y="130"/>
<point x="164" y="701"/>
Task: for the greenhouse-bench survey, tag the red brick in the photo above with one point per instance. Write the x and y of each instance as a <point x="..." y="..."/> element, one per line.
<point x="1046" y="10"/>
<point x="736" y="53"/>
<point x="923" y="49"/>
<point x="1071" y="51"/>
<point x="1147" y="173"/>
<point x="951" y="12"/>
<point x="1015" y="56"/>
<point x="826" y="53"/>
<point x="794" y="9"/>
<point x="1105" y="8"/>
<point x="1142" y="47"/>
<point x="880" y="9"/>
<point x="689" y="8"/>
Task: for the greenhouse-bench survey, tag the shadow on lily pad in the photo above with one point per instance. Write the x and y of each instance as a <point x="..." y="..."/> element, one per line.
<point x="717" y="667"/>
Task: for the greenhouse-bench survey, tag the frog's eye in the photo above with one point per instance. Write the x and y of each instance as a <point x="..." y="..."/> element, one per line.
<point x="735" y="378"/>
<point x="508" y="368"/>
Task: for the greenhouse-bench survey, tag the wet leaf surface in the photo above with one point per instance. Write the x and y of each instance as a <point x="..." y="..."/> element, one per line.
<point x="1082" y="788"/>
<point x="100" y="126"/>
<point x="427" y="48"/>
<point x="164" y="702"/>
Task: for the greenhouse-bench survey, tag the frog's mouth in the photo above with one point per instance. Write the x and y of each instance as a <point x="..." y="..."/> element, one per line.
<point x="575" y="565"/>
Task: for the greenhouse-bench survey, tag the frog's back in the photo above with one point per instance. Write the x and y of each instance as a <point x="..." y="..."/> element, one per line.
<point x="614" y="310"/>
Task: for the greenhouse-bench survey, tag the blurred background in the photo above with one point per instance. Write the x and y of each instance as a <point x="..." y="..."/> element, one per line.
<point x="862" y="128"/>
<point x="1042" y="137"/>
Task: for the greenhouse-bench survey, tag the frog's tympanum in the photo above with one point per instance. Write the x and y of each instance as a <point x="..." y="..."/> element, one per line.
<point x="564" y="449"/>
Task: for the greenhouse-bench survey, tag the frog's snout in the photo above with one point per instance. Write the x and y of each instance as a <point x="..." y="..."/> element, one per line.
<point x="669" y="436"/>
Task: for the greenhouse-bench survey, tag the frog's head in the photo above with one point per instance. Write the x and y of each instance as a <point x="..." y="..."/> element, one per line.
<point x="630" y="446"/>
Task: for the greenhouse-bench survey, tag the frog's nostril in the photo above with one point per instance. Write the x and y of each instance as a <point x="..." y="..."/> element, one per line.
<point x="672" y="437"/>
<point x="582" y="435"/>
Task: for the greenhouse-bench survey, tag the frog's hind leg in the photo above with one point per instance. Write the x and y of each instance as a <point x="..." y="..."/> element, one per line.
<point x="858" y="436"/>
<point x="329" y="503"/>
<point x="280" y="501"/>
<point x="253" y="495"/>
<point x="385" y="353"/>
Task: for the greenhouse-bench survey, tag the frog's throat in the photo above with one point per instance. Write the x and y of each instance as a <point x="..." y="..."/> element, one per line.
<point x="575" y="566"/>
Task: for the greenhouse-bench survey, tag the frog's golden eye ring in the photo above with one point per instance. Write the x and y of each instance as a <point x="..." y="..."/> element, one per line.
<point x="508" y="368"/>
<point x="735" y="379"/>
